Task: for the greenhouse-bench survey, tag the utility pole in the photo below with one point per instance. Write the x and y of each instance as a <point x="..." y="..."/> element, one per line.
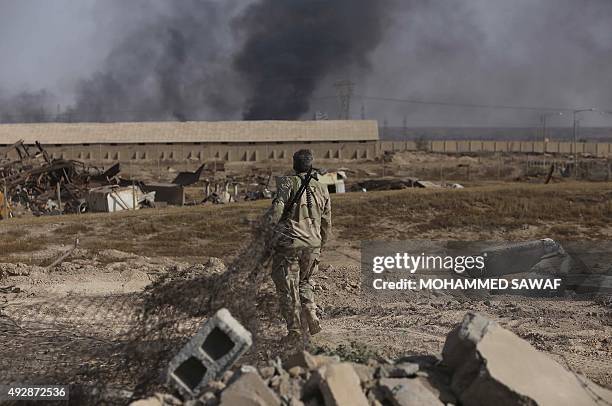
<point x="543" y="118"/>
<point x="363" y="112"/>
<point x="575" y="146"/>
<point x="384" y="127"/>
<point x="575" y="138"/>
<point x="405" y="131"/>
<point x="344" y="90"/>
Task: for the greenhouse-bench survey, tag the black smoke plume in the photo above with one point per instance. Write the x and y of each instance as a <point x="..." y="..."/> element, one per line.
<point x="170" y="68"/>
<point x="292" y="45"/>
<point x="27" y="107"/>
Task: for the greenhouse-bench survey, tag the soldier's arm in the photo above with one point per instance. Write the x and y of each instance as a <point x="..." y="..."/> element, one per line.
<point x="326" y="222"/>
<point x="283" y="196"/>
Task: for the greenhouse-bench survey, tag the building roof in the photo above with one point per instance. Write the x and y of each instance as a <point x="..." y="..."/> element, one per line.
<point x="194" y="131"/>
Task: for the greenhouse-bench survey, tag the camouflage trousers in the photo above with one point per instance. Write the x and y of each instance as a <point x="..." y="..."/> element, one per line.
<point x="292" y="271"/>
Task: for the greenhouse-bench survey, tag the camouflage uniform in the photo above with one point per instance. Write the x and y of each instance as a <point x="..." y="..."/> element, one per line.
<point x="296" y="258"/>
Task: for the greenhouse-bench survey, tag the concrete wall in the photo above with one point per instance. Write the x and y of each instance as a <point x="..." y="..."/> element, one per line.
<point x="257" y="152"/>
<point x="201" y="152"/>
<point x="458" y="147"/>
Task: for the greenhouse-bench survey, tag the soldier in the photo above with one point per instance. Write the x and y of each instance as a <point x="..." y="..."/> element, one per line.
<point x="296" y="257"/>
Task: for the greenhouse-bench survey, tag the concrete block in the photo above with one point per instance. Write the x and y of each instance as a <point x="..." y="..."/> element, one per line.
<point x="213" y="350"/>
<point x="493" y="366"/>
<point x="339" y="385"/>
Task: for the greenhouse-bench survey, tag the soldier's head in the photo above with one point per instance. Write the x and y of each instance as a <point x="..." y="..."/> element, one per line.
<point x="302" y="160"/>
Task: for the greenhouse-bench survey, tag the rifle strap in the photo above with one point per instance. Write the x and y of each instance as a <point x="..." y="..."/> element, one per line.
<point x="308" y="197"/>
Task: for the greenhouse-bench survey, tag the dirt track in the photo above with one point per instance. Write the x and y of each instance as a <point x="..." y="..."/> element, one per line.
<point x="115" y="317"/>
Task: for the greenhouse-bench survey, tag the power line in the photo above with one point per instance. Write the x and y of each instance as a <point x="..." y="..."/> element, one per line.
<point x="345" y="93"/>
<point x="464" y="105"/>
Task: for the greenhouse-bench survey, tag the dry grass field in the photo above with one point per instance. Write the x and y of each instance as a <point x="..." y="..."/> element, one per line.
<point x="499" y="211"/>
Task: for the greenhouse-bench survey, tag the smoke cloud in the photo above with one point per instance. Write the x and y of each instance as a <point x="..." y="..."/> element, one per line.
<point x="173" y="66"/>
<point x="292" y="45"/>
<point x="112" y="60"/>
<point x="548" y="53"/>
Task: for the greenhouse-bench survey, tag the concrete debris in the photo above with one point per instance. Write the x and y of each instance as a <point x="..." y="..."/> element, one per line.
<point x="340" y="385"/>
<point x="209" y="354"/>
<point x="159" y="399"/>
<point x="296" y="371"/>
<point x="491" y="365"/>
<point x="365" y="373"/>
<point x="249" y="390"/>
<point x="409" y="392"/>
<point x="482" y="364"/>
<point x="308" y="361"/>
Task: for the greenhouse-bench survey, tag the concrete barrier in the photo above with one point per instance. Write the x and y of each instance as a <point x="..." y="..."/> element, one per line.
<point x="213" y="350"/>
<point x="598" y="149"/>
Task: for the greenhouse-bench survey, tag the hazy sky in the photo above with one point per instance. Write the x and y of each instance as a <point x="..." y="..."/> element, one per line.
<point x="506" y="52"/>
<point x="48" y="44"/>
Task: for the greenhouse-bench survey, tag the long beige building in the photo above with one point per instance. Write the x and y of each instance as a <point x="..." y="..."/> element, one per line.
<point x="198" y="141"/>
<point x="249" y="141"/>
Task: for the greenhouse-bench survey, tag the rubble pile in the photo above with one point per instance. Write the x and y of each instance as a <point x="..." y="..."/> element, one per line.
<point x="481" y="364"/>
<point x="38" y="184"/>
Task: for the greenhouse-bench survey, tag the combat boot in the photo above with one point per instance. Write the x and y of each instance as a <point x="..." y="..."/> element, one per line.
<point x="309" y="313"/>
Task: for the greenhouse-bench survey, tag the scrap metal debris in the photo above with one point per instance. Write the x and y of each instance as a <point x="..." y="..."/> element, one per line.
<point x="38" y="184"/>
<point x="189" y="178"/>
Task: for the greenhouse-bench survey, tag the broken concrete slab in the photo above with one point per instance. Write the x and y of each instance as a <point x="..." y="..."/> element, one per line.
<point x="409" y="392"/>
<point x="491" y="365"/>
<point x="249" y="390"/>
<point x="308" y="361"/>
<point x="213" y="350"/>
<point x="364" y="372"/>
<point x="340" y="386"/>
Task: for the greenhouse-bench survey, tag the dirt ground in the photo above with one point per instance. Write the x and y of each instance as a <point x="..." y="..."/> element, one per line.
<point x="123" y="303"/>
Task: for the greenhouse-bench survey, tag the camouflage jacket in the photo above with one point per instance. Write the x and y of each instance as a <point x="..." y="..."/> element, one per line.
<point x="306" y="227"/>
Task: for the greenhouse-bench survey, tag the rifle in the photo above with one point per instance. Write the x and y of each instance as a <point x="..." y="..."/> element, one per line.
<point x="274" y="233"/>
<point x="288" y="210"/>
